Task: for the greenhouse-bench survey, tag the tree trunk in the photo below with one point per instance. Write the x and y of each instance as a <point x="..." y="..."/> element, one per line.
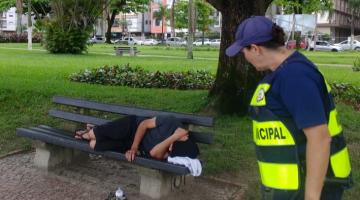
<point x="162" y="28"/>
<point x="172" y="20"/>
<point x="236" y="79"/>
<point x="352" y="29"/>
<point x="29" y="26"/>
<point x="191" y="29"/>
<point x="19" y="12"/>
<point x="110" y="22"/>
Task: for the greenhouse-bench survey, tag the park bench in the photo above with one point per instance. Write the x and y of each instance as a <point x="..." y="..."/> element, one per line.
<point x="58" y="147"/>
<point x="132" y="51"/>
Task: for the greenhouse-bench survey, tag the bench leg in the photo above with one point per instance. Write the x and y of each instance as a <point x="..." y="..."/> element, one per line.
<point x="158" y="184"/>
<point x="50" y="156"/>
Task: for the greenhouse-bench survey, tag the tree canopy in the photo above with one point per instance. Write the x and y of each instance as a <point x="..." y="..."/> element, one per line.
<point x="304" y="6"/>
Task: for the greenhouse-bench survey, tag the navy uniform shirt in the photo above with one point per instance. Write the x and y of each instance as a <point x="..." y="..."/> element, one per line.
<point x="298" y="91"/>
<point x="165" y="126"/>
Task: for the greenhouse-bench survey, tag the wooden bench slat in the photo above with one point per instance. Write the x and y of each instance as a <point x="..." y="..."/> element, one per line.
<point x="205" y="138"/>
<point x="185" y="118"/>
<point x="66" y="141"/>
<point x="77" y="117"/>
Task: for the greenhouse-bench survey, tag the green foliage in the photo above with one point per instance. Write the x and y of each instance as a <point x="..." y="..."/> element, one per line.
<point x="70" y="26"/>
<point x="347" y="93"/>
<point x="355" y="5"/>
<point x="181" y="17"/>
<point x="138" y="77"/>
<point x="6" y="4"/>
<point x="356" y="67"/>
<point x="304" y="6"/>
<point x="58" y="40"/>
<point x="127" y="6"/>
<point x="203" y="11"/>
<point x="161" y="15"/>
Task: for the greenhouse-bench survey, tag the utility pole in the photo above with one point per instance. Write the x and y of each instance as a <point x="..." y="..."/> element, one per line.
<point x="352" y="29"/>
<point x="29" y="26"/>
<point x="191" y="29"/>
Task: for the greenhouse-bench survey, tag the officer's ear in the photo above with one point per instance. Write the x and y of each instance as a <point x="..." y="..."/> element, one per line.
<point x="255" y="49"/>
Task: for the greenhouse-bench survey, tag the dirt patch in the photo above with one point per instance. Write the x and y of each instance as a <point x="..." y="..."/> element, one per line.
<point x="98" y="179"/>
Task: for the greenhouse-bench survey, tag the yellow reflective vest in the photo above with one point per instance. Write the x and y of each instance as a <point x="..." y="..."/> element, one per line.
<point x="277" y="144"/>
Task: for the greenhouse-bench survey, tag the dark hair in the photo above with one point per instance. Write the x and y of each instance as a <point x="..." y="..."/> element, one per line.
<point x="186" y="148"/>
<point x="278" y="38"/>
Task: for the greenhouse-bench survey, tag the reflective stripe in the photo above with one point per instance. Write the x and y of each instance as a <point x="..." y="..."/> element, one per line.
<point x="328" y="87"/>
<point x="258" y="98"/>
<point x="334" y="125"/>
<point x="279" y="176"/>
<point x="271" y="133"/>
<point x="340" y="163"/>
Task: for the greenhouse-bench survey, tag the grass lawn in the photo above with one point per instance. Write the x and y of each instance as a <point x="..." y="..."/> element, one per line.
<point x="28" y="80"/>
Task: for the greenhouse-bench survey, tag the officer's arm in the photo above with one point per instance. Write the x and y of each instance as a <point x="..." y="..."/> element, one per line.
<point x="317" y="159"/>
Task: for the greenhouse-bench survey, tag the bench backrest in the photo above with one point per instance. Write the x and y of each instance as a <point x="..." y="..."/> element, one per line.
<point x="125" y="48"/>
<point x="188" y="119"/>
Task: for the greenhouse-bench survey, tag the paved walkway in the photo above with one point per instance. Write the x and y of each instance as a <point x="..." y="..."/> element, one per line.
<point x="96" y="179"/>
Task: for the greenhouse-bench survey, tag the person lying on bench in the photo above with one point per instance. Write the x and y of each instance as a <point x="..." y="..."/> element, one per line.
<point x="158" y="137"/>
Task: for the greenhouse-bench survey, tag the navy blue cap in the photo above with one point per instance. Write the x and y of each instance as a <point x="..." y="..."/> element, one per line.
<point x="253" y="30"/>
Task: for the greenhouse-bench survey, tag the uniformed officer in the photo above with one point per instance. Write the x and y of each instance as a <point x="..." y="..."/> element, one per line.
<point x="301" y="150"/>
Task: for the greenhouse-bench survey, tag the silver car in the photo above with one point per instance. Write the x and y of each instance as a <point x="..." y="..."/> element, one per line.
<point x="173" y="41"/>
<point x="345" y="45"/>
<point x="325" y="46"/>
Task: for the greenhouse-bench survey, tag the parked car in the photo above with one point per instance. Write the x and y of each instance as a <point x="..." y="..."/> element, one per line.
<point x="175" y="41"/>
<point x="96" y="39"/>
<point x="129" y="41"/>
<point x="199" y="42"/>
<point x="345" y="45"/>
<point x="215" y="42"/>
<point x="325" y="46"/>
<point x="151" y="42"/>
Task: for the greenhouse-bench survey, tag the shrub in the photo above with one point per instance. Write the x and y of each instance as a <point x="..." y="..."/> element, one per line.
<point x="60" y="40"/>
<point x="138" y="77"/>
<point x="21" y="38"/>
<point x="69" y="27"/>
<point x="347" y="93"/>
<point x="356" y="67"/>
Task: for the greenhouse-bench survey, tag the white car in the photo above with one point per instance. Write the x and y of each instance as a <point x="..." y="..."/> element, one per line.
<point x="96" y="39"/>
<point x="151" y="42"/>
<point x="325" y="46"/>
<point x="199" y="42"/>
<point x="173" y="41"/>
<point x="130" y="41"/>
<point x="215" y="42"/>
<point x="345" y="45"/>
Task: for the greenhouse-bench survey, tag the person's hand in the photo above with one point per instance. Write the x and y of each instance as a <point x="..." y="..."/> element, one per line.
<point x="184" y="138"/>
<point x="131" y="154"/>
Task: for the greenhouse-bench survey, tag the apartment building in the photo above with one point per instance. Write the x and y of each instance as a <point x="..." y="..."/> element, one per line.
<point x="338" y="24"/>
<point x="8" y="20"/>
<point x="137" y="23"/>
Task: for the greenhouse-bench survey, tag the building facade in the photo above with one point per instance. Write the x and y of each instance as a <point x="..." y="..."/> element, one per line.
<point x="338" y="24"/>
<point x="8" y="20"/>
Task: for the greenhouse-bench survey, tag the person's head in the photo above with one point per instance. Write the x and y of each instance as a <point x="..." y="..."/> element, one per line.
<point x="259" y="39"/>
<point x="187" y="148"/>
